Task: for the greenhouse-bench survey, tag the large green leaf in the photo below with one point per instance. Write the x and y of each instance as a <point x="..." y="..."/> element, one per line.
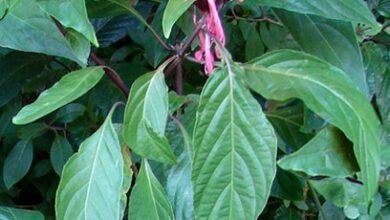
<point x="18" y="162"/>
<point x="172" y="12"/>
<point x="92" y="180"/>
<point x="347" y="10"/>
<point x="68" y="89"/>
<point x="24" y="26"/>
<point x="62" y="9"/>
<point x="235" y="150"/>
<point x="148" y="199"/>
<point x="326" y="90"/>
<point x="331" y="40"/>
<point x="8" y="213"/>
<point x="327" y="154"/>
<point x="146" y="117"/>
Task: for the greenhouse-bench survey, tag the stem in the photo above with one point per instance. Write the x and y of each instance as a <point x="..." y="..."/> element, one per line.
<point x="179" y="79"/>
<point x="114" y="76"/>
<point x="181" y="52"/>
<point x="317" y="201"/>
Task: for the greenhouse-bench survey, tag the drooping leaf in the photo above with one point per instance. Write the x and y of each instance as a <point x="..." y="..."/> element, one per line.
<point x="8" y="213"/>
<point x="60" y="152"/>
<point x="326" y="90"/>
<point x="78" y="21"/>
<point x="155" y="204"/>
<point x="23" y="27"/>
<point x="79" y="44"/>
<point x="179" y="185"/>
<point x="172" y="12"/>
<point x="346" y="10"/>
<point x="235" y="150"/>
<point x="287" y="186"/>
<point x="68" y="89"/>
<point x="128" y="176"/>
<point x="92" y="179"/>
<point x="327" y="154"/>
<point x="17" y="163"/>
<point x="333" y="41"/>
<point x="146" y="117"/>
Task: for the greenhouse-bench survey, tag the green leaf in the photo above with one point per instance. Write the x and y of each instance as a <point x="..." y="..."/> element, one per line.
<point x="326" y="90"/>
<point x="346" y="10"/>
<point x="92" y="179"/>
<point x="23" y="27"/>
<point x="79" y="44"/>
<point x="254" y="46"/>
<point x="78" y="20"/>
<point x="146" y="117"/>
<point x="287" y="186"/>
<point x="287" y="213"/>
<point x="68" y="89"/>
<point x="128" y="177"/>
<point x="8" y="213"/>
<point x="327" y="154"/>
<point x="339" y="191"/>
<point x="70" y="112"/>
<point x="155" y="204"/>
<point x="17" y="163"/>
<point x="60" y="152"/>
<point x="334" y="41"/>
<point x="172" y="12"/>
<point x="175" y="102"/>
<point x="235" y="150"/>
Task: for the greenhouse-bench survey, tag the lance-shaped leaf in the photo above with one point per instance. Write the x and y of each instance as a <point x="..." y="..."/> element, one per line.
<point x="235" y="150"/>
<point x="327" y="154"/>
<point x="346" y="10"/>
<point x="60" y="152"/>
<point x="69" y="88"/>
<point x="25" y="24"/>
<point x="173" y="11"/>
<point x="326" y="90"/>
<point x="146" y="117"/>
<point x="148" y="199"/>
<point x="19" y="214"/>
<point x="334" y="41"/>
<point x="91" y="184"/>
<point x="79" y="21"/>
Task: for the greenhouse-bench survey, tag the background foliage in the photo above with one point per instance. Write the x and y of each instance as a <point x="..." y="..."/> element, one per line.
<point x="293" y="124"/>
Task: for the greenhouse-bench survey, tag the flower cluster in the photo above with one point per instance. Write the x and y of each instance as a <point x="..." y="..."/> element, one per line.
<point x="213" y="29"/>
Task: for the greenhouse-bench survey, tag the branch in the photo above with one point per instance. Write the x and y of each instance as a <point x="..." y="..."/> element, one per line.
<point x="179" y="79"/>
<point x="114" y="76"/>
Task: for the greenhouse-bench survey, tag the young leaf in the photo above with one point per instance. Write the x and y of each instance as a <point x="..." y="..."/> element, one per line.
<point x="334" y="41"/>
<point x="27" y="27"/>
<point x="347" y="10"/>
<point x="146" y="117"/>
<point x="68" y="89"/>
<point x="148" y="199"/>
<point x="326" y="90"/>
<point x="326" y="154"/>
<point x="77" y="21"/>
<point x="17" y="163"/>
<point x="172" y="12"/>
<point x="92" y="179"/>
<point x="60" y="152"/>
<point x="235" y="150"/>
<point x="19" y="214"/>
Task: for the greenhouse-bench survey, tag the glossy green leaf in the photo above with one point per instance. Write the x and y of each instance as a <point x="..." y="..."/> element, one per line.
<point x="334" y="41"/>
<point x="172" y="12"/>
<point x="148" y="199"/>
<point x="18" y="162"/>
<point x="60" y="152"/>
<point x="326" y="90"/>
<point x="92" y="179"/>
<point x="327" y="154"/>
<point x="8" y="213"/>
<point x="68" y="89"/>
<point x="347" y="10"/>
<point x="79" y="44"/>
<point x="235" y="150"/>
<point x="61" y="9"/>
<point x="29" y="23"/>
<point x="146" y="117"/>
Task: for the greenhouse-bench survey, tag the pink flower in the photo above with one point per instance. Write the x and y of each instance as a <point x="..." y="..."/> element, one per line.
<point x="214" y="30"/>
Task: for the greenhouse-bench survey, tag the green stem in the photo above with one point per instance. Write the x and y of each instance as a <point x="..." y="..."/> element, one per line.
<point x="317" y="201"/>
